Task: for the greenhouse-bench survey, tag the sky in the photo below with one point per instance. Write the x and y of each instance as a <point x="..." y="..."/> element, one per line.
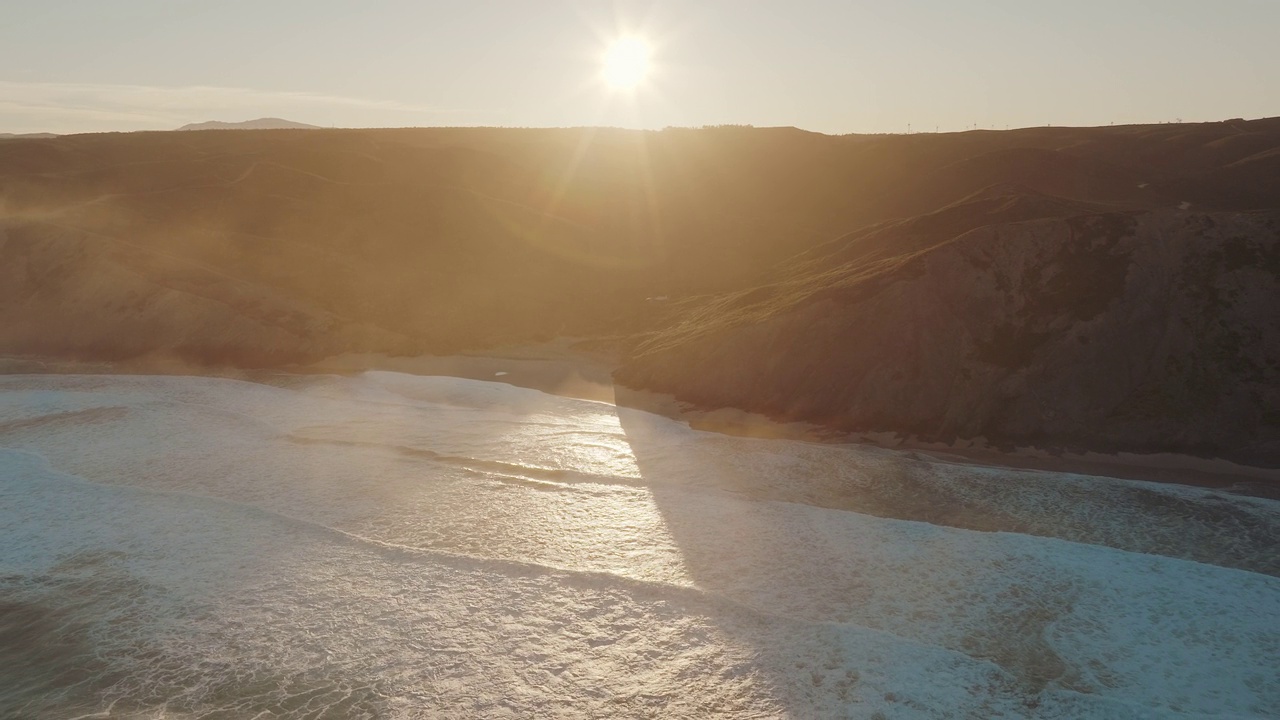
<point x="833" y="66"/>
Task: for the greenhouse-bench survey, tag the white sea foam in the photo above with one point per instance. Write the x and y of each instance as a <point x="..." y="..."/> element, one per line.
<point x="398" y="546"/>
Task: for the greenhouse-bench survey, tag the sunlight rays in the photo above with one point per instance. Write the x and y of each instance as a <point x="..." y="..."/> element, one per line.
<point x="626" y="63"/>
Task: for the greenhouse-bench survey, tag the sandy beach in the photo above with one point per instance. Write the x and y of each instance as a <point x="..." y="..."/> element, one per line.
<point x="563" y="367"/>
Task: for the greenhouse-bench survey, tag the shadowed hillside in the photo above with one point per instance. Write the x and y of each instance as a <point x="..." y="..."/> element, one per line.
<point x="1153" y="331"/>
<point x="1105" y="287"/>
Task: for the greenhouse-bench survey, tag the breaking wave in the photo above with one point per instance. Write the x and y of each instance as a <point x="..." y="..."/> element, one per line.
<point x="397" y="546"/>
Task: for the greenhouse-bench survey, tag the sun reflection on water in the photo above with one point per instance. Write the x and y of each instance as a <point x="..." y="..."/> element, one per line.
<point x="580" y="501"/>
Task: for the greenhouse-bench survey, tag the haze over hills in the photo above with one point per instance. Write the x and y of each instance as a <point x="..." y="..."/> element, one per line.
<point x="1106" y="288"/>
<point x="259" y="124"/>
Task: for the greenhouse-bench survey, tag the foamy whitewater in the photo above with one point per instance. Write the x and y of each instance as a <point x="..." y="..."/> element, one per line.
<point x="397" y="546"/>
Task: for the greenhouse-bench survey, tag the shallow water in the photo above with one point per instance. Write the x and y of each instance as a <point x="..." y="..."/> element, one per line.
<point x="397" y="546"/>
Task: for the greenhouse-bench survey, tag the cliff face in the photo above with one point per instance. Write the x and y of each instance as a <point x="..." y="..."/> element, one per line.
<point x="1137" y="331"/>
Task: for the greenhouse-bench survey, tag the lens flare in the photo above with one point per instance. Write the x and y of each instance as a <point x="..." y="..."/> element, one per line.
<point x="626" y="63"/>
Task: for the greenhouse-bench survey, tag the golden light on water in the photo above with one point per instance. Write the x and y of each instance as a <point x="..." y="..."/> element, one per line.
<point x="626" y="64"/>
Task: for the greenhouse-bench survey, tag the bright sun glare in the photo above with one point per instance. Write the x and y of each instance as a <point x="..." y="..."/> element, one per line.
<point x="626" y="63"/>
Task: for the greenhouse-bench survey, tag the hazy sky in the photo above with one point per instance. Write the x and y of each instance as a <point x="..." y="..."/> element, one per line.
<point x="834" y="66"/>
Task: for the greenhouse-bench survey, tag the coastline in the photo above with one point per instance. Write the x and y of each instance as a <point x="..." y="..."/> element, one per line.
<point x="1170" y="468"/>
<point x="563" y="367"/>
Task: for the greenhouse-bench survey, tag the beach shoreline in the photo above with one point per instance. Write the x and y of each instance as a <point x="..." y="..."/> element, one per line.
<point x="564" y="368"/>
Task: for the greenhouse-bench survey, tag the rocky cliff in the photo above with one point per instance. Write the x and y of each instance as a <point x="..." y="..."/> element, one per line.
<point x="1149" y="331"/>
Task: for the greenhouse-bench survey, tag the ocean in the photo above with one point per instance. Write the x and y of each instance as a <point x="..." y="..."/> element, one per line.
<point x="394" y="546"/>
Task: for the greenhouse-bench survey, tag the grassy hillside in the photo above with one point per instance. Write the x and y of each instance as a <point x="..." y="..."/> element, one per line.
<point x="1149" y="331"/>
<point x="927" y="283"/>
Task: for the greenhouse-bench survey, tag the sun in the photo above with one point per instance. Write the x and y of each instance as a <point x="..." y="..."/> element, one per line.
<point x="626" y="63"/>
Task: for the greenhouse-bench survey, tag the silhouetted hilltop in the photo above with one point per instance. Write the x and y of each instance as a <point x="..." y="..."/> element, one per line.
<point x="259" y="124"/>
<point x="1100" y="287"/>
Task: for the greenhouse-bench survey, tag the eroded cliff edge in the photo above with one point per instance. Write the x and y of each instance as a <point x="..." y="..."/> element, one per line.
<point x="1139" y="331"/>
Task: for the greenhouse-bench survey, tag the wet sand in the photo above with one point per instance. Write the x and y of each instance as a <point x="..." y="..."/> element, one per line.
<point x="564" y="367"/>
<point x="561" y="369"/>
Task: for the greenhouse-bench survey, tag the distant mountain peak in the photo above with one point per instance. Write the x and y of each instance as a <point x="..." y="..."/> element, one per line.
<point x="259" y="124"/>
